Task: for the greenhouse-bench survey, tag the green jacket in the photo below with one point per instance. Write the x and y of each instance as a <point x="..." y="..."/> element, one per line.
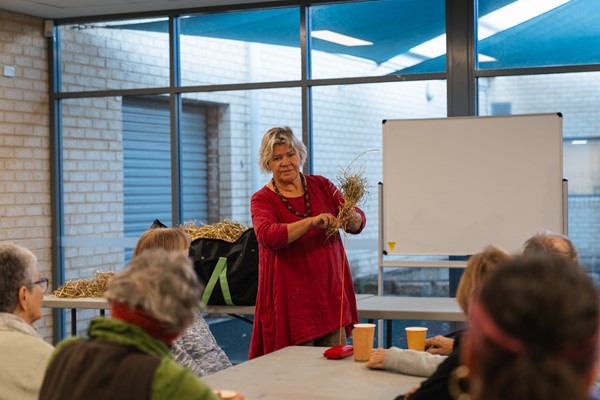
<point x="171" y="381"/>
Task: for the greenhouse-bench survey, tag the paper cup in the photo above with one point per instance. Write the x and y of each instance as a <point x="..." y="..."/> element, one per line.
<point x="226" y="394"/>
<point x="415" y="337"/>
<point x="362" y="340"/>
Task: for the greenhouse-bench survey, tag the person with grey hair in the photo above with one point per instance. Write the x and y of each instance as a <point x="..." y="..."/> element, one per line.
<point x="552" y="243"/>
<point x="24" y="354"/>
<point x="196" y="348"/>
<point x="303" y="268"/>
<point x="126" y="356"/>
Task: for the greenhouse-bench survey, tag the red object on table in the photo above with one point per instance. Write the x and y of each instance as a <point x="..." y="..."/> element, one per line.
<point x="337" y="352"/>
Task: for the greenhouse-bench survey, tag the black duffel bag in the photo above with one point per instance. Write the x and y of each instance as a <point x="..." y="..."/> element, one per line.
<point x="229" y="271"/>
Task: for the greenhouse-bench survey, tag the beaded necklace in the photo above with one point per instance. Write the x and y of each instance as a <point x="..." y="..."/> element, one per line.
<point x="287" y="204"/>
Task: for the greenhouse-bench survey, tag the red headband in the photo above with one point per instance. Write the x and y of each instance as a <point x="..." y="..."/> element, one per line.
<point x="137" y="316"/>
<point x="483" y="326"/>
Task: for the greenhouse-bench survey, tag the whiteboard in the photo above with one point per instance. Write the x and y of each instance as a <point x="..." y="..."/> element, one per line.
<point x="452" y="186"/>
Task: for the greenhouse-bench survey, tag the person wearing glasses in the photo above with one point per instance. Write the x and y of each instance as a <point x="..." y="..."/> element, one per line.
<point x="23" y="352"/>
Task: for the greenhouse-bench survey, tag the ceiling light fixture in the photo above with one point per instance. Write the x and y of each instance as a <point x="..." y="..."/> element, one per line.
<point x="339" y="38"/>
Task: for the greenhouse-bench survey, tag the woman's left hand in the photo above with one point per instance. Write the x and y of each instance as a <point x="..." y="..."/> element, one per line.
<point x="355" y="222"/>
<point x="376" y="360"/>
<point x="439" y="345"/>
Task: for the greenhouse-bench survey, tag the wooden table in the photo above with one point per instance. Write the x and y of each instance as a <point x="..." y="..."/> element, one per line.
<point x="388" y="308"/>
<point x="102" y="304"/>
<point x="369" y="307"/>
<point x="415" y="308"/>
<point x="300" y="373"/>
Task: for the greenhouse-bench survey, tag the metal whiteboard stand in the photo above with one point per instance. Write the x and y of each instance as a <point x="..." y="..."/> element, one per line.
<point x="397" y="264"/>
<point x="565" y="201"/>
<point x="434" y="264"/>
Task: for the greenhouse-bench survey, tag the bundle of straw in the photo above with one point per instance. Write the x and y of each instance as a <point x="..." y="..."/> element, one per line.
<point x="353" y="187"/>
<point x="227" y="230"/>
<point x="93" y="287"/>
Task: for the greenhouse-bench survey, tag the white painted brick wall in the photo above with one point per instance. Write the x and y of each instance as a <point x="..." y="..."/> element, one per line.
<point x="24" y="143"/>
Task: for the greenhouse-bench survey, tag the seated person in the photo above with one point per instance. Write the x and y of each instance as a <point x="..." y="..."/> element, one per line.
<point x="533" y="333"/>
<point x="551" y="243"/>
<point x="545" y="242"/>
<point x="24" y="353"/>
<point x="437" y="367"/>
<point x="196" y="348"/>
<point x="126" y="356"/>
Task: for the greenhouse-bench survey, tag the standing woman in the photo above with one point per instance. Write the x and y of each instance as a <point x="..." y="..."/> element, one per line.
<point x="303" y="271"/>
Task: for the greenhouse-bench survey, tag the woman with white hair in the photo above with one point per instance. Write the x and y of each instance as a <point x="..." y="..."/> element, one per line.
<point x="127" y="356"/>
<point x="303" y="269"/>
<point x="23" y="353"/>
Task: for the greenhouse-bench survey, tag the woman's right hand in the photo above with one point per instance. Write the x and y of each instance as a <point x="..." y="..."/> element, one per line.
<point x="325" y="221"/>
<point x="376" y="360"/>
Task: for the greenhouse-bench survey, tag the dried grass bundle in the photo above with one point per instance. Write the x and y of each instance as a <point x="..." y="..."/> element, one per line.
<point x="93" y="287"/>
<point x="353" y="188"/>
<point x="227" y="230"/>
<point x="353" y="185"/>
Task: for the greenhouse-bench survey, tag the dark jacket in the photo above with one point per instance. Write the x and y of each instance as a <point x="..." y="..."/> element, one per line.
<point x="119" y="361"/>
<point x="436" y="386"/>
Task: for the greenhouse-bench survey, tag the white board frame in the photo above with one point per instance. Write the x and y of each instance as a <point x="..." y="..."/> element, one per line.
<point x="452" y="186"/>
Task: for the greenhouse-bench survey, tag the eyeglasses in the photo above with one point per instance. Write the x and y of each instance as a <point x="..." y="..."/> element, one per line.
<point x="43" y="284"/>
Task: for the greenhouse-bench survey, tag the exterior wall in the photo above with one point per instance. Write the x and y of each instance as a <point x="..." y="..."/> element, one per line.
<point x="24" y="143"/>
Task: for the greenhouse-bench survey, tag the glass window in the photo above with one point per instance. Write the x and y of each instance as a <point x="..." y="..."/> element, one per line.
<point x="377" y="38"/>
<point x="234" y="123"/>
<point x="349" y="119"/>
<point x="116" y="177"/>
<point x="114" y="55"/>
<point x="528" y="33"/>
<point x="240" y="47"/>
<point x="572" y="95"/>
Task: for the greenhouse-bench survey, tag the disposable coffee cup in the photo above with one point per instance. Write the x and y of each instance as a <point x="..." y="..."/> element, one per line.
<point x="362" y="340"/>
<point x="415" y="336"/>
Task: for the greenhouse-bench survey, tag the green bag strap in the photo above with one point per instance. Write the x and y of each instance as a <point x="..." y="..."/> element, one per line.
<point x="221" y="267"/>
<point x="225" y="285"/>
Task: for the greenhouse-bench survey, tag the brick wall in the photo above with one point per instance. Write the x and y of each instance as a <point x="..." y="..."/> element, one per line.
<point x="24" y="143"/>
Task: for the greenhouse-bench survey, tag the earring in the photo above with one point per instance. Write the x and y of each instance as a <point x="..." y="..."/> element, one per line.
<point x="458" y="380"/>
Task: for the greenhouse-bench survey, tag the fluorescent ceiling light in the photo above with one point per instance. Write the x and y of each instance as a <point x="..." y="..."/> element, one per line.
<point x="431" y="48"/>
<point x="484" y="58"/>
<point x="578" y="141"/>
<point x="339" y="38"/>
<point x="514" y="14"/>
<point x="494" y="22"/>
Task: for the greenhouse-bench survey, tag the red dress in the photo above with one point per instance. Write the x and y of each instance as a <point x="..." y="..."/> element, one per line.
<point x="300" y="284"/>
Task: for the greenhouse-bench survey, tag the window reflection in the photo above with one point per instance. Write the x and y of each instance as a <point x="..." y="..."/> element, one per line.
<point x="377" y="38"/>
<point x="528" y="33"/>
